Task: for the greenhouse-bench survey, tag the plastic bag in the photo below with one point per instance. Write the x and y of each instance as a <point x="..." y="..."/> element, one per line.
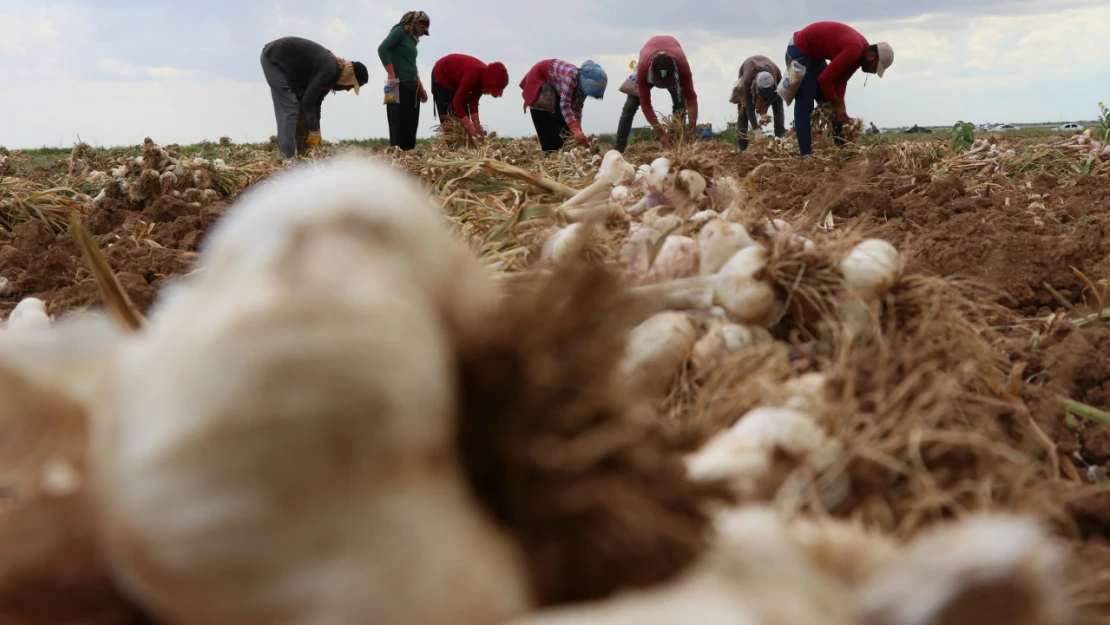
<point x="392" y="92"/>
<point x="737" y="93"/>
<point x="548" y="99"/>
<point x="791" y="81"/>
<point x="628" y="87"/>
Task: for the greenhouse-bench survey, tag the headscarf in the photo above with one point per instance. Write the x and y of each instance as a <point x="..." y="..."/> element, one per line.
<point x="592" y="80"/>
<point x="409" y="21"/>
<point x="346" y="73"/>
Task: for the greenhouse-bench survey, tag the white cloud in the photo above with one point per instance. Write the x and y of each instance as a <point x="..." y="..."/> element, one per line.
<point x="115" y="66"/>
<point x="105" y="69"/>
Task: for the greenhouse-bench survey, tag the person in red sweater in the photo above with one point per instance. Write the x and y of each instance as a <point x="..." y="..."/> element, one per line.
<point x="831" y="53"/>
<point x="459" y="81"/>
<point x="662" y="65"/>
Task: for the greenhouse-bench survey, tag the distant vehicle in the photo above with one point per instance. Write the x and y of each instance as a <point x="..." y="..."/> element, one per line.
<point x="1071" y="126"/>
<point x="704" y="130"/>
<point x="917" y="129"/>
<point x="1004" y="128"/>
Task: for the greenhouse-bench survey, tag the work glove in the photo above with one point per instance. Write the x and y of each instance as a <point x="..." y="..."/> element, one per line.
<point x="313" y="141"/>
<point x="840" y="112"/>
<point x="579" y="136"/>
<point x="474" y="132"/>
<point x="478" y="125"/>
<point x="389" y="72"/>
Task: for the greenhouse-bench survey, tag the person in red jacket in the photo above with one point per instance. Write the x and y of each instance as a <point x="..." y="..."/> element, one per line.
<point x="831" y="53"/>
<point x="555" y="91"/>
<point x="459" y="81"/>
<point x="662" y="65"/>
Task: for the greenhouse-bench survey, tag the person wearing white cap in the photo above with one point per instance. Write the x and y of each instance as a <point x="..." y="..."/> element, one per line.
<point x="754" y="94"/>
<point x="831" y="53"/>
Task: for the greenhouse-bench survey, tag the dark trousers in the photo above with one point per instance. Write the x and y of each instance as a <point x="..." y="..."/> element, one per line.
<point x="628" y="113"/>
<point x="742" y="123"/>
<point x="291" y="129"/>
<point x="550" y="128"/>
<point x="444" y="98"/>
<point x="809" y="94"/>
<point x="404" y="116"/>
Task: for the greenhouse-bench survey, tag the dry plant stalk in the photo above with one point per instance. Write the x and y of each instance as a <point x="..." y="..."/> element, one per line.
<point x="566" y="459"/>
<point x="115" y="298"/>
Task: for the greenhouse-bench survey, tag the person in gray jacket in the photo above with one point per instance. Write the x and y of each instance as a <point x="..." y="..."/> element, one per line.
<point x="759" y="77"/>
<point x="300" y="74"/>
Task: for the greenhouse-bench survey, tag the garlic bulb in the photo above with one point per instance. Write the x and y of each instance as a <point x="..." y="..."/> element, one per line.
<point x="656" y="350"/>
<point x="705" y="216"/>
<point x="775" y="227"/>
<point x="619" y="193"/>
<point x="692" y="183"/>
<point x="28" y="315"/>
<point x="871" y="268"/>
<point x="272" y="462"/>
<point x="720" y="341"/>
<point x="677" y="258"/>
<point x="718" y="241"/>
<point x="746" y="262"/>
<point x="564" y="244"/>
<point x="743" y="453"/>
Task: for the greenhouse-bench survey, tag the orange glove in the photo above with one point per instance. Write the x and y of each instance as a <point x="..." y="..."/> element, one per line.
<point x="313" y="141"/>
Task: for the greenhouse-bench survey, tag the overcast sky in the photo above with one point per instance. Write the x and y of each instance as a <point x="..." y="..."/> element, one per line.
<point x="116" y="71"/>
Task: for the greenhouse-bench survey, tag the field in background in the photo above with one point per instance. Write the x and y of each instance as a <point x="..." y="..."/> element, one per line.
<point x="981" y="383"/>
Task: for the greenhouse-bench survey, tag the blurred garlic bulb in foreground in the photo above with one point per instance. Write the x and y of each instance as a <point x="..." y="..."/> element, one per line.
<point x="283" y="445"/>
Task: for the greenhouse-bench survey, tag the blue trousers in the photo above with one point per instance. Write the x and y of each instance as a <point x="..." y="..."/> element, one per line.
<point x="809" y="94"/>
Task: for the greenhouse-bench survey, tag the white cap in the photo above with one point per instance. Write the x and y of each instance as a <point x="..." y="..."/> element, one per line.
<point x="764" y="80"/>
<point x="886" y="57"/>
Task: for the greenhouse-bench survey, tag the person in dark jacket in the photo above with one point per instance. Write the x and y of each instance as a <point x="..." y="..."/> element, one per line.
<point x="459" y="81"/>
<point x="754" y="94"/>
<point x="300" y="74"/>
<point x="397" y="53"/>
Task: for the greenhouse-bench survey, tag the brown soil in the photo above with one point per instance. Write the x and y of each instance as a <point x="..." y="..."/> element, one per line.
<point x="37" y="264"/>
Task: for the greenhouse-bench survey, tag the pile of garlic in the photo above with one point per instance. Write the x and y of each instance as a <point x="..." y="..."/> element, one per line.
<point x="159" y="172"/>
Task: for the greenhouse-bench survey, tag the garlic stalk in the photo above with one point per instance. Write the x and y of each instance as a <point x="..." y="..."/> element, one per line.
<point x="614" y="171"/>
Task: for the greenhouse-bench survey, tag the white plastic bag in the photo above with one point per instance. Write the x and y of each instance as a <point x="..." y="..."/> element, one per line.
<point x="791" y="81"/>
<point x="737" y="93"/>
<point x="392" y="92"/>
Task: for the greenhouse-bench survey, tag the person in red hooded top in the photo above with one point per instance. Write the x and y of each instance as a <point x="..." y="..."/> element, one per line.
<point x="662" y="65"/>
<point x="458" y="83"/>
<point x="831" y="53"/>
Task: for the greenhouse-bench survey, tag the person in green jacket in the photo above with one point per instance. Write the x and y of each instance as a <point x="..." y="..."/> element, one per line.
<point x="398" y="55"/>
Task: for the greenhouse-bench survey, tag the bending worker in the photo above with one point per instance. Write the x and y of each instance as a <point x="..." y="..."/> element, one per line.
<point x="555" y="91"/>
<point x="759" y="77"/>
<point x="458" y="83"/>
<point x="300" y="74"/>
<point x="662" y="65"/>
<point x="831" y="53"/>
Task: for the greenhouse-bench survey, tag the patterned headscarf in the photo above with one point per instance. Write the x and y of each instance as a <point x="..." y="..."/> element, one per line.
<point x="409" y="21"/>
